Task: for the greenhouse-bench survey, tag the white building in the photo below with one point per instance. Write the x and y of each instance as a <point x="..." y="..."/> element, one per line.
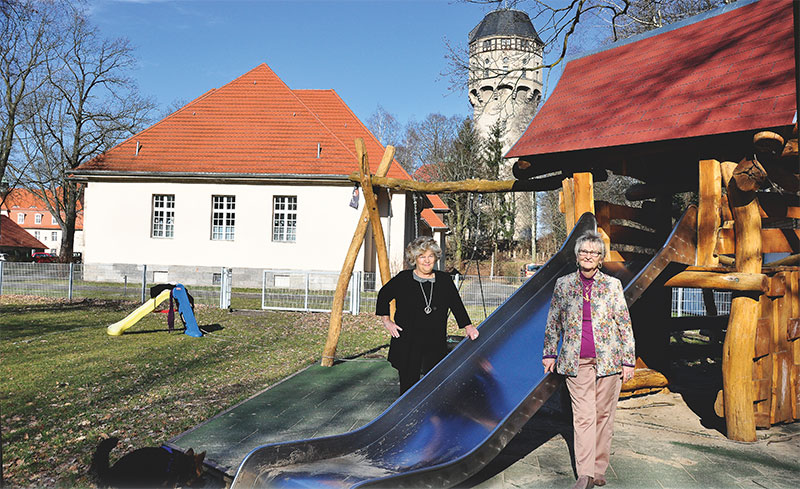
<point x="252" y="175"/>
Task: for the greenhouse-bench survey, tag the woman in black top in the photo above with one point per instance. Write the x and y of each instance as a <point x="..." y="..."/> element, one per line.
<point x="423" y="297"/>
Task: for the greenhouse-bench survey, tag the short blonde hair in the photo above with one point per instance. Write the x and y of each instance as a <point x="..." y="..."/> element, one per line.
<point x="420" y="246"/>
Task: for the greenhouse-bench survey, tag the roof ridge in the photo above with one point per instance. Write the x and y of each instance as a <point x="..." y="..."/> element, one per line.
<point x="374" y="138"/>
<point x="323" y="124"/>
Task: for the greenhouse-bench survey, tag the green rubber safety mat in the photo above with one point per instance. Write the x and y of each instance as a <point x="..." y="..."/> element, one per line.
<point x="317" y="401"/>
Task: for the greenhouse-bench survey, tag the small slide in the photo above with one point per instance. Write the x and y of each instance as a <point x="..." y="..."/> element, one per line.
<point x="185" y="308"/>
<point x="463" y="412"/>
<point x="119" y="327"/>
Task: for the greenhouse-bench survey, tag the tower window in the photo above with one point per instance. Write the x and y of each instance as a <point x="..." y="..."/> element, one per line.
<point x="487" y="45"/>
<point x="486" y="68"/>
<point x="505" y="43"/>
<point x="505" y="64"/>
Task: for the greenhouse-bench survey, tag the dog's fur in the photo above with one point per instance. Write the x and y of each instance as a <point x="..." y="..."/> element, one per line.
<point x="146" y="467"/>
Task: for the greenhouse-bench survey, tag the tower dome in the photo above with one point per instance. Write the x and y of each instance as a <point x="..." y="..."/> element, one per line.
<point x="503" y="50"/>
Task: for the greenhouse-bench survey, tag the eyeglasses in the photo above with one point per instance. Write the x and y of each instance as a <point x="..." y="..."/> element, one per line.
<point x="589" y="252"/>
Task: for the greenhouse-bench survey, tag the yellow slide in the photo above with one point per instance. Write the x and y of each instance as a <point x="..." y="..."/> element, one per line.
<point x="119" y="327"/>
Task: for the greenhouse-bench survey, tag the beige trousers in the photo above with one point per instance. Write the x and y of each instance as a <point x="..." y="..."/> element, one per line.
<point x="594" y="402"/>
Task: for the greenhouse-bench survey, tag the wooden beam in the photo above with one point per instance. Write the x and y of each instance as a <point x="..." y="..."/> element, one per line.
<point x="335" y="324"/>
<point x="787" y="261"/>
<point x="749" y="282"/>
<point x="708" y="217"/>
<point x="473" y="185"/>
<point x="739" y="344"/>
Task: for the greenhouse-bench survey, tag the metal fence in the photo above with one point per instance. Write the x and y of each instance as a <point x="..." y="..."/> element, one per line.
<point x="689" y="302"/>
<point x="281" y="289"/>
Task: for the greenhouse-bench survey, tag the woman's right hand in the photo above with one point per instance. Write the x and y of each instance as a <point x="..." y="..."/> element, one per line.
<point x="391" y="327"/>
<point x="549" y="364"/>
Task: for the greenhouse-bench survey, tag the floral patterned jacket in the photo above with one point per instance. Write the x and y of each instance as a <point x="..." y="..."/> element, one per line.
<point x="611" y="325"/>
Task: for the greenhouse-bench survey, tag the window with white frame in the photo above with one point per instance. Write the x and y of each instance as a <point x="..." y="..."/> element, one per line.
<point x="163" y="216"/>
<point x="284" y="218"/>
<point x="53" y="220"/>
<point x="37" y="219"/>
<point x="37" y="235"/>
<point x="20" y="218"/>
<point x="223" y="217"/>
<point x="54" y="236"/>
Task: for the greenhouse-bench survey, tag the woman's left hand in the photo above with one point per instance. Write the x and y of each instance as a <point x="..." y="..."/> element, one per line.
<point x="472" y="332"/>
<point x="627" y="373"/>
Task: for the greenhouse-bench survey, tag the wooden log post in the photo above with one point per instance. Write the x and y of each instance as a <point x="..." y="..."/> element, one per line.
<point x="371" y="204"/>
<point x="568" y="199"/>
<point x="335" y="325"/>
<point x="708" y="213"/>
<point x="739" y="344"/>
<point x="584" y="194"/>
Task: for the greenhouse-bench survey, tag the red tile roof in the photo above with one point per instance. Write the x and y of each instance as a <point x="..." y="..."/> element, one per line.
<point x="726" y="73"/>
<point x="437" y="203"/>
<point x="23" y="200"/>
<point x="13" y="236"/>
<point x="253" y="125"/>
<point x="432" y="219"/>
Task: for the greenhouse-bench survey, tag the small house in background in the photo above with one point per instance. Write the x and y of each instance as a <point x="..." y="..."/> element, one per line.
<point x="250" y="176"/>
<point x="16" y="244"/>
<point x="32" y="214"/>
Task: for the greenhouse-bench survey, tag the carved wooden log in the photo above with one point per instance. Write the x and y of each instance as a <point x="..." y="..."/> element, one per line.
<point x="645" y="377"/>
<point x="749" y="282"/>
<point x="738" y="348"/>
<point x="750" y="175"/>
<point x="335" y="325"/>
<point x="708" y="216"/>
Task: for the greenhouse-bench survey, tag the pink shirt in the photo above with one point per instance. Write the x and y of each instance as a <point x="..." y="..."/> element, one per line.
<point x="587" y="338"/>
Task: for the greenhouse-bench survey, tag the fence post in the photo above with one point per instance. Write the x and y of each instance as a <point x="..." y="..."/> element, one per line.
<point x="358" y="285"/>
<point x="71" y="281"/>
<point x="144" y="283"/>
<point x="680" y="302"/>
<point x="225" y="286"/>
<point x="1" y="276"/>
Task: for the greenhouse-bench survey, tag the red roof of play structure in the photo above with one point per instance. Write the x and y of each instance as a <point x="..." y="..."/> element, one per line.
<point x="253" y="125"/>
<point x="726" y="73"/>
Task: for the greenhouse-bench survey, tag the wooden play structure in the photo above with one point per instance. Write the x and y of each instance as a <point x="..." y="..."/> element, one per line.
<point x="710" y="110"/>
<point x="740" y="217"/>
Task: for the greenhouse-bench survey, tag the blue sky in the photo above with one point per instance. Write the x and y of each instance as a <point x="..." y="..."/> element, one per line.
<point x="387" y="52"/>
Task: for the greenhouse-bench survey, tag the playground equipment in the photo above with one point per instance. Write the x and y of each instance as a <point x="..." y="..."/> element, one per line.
<point x="162" y="293"/>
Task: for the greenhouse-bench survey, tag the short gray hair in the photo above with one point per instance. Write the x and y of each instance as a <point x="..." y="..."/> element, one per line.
<point x="420" y="246"/>
<point x="591" y="237"/>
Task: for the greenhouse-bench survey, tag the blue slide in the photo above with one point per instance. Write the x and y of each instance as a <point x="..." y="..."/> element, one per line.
<point x="464" y="411"/>
<point x="186" y="311"/>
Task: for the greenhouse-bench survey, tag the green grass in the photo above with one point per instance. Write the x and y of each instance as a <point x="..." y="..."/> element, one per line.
<point x="64" y="382"/>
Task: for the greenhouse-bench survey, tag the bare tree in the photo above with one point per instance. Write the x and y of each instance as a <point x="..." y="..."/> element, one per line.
<point x="85" y="106"/>
<point x="25" y="43"/>
<point x="384" y="126"/>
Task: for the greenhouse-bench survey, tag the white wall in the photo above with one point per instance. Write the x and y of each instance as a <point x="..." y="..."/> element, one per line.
<point x="117" y="222"/>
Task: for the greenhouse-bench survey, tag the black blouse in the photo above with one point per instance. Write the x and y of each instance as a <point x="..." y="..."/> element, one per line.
<point x="421" y="330"/>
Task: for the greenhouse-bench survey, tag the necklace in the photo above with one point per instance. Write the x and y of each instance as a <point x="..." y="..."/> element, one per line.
<point x="427" y="300"/>
<point x="587" y="289"/>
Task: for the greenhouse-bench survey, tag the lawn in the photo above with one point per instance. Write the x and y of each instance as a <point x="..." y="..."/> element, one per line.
<point x="64" y="383"/>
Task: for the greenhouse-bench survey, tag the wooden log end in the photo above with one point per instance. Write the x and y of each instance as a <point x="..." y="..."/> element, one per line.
<point x="790" y="149"/>
<point x="768" y="142"/>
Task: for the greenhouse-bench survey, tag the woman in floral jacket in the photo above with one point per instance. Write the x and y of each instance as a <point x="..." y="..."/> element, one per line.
<point x="589" y="314"/>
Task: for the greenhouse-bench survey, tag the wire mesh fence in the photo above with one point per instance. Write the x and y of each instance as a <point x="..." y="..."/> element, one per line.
<point x="690" y="302"/>
<point x="294" y="290"/>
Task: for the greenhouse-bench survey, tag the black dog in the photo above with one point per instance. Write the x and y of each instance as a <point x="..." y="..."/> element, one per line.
<point x="146" y="467"/>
